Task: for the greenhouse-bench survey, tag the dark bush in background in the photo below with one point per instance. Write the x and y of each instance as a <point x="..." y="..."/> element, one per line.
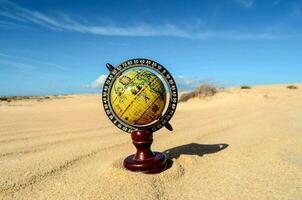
<point x="245" y="87"/>
<point x="292" y="87"/>
<point x="201" y="91"/>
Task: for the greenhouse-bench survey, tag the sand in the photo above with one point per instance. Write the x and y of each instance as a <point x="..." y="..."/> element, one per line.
<point x="238" y="144"/>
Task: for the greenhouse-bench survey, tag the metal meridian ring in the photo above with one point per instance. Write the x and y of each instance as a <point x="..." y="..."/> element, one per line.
<point x="132" y="63"/>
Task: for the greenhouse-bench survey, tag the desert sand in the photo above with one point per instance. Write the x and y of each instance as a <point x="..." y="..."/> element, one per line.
<point x="238" y="144"/>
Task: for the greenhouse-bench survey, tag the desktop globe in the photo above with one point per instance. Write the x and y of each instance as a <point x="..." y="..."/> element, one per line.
<point x="138" y="97"/>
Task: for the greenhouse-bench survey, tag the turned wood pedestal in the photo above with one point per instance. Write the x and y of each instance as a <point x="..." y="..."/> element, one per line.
<point x="145" y="160"/>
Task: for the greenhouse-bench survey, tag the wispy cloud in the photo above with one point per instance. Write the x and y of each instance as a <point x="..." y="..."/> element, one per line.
<point x="64" y="22"/>
<point x="245" y="3"/>
<point x="243" y="36"/>
<point x="16" y="64"/>
<point x="11" y="25"/>
<point x="26" y="63"/>
<point x="296" y="11"/>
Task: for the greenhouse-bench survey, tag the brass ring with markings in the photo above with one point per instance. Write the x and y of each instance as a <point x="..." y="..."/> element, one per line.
<point x="165" y="75"/>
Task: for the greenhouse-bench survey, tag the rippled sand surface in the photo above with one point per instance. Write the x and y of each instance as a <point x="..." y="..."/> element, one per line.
<point x="238" y="144"/>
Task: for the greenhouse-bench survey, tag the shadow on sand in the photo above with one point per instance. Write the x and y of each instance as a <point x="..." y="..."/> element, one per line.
<point x="193" y="149"/>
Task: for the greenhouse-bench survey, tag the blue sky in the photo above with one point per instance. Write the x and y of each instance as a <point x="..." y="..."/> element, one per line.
<point x="58" y="47"/>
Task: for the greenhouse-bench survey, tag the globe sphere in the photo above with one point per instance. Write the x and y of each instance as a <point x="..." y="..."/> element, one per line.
<point x="138" y="97"/>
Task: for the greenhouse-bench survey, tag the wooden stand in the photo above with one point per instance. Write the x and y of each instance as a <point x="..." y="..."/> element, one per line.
<point x="145" y="160"/>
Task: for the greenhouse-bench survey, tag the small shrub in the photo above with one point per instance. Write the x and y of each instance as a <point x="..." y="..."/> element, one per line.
<point x="186" y="96"/>
<point x="3" y="98"/>
<point x="206" y="90"/>
<point x="245" y="87"/>
<point x="202" y="91"/>
<point x="292" y="87"/>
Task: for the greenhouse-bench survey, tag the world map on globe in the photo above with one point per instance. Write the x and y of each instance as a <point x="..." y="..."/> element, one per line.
<point x="138" y="97"/>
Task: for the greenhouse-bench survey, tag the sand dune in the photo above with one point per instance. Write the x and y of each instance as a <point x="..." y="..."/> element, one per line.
<point x="238" y="144"/>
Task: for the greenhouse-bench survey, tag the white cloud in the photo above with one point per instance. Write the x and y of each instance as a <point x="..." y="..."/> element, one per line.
<point x="98" y="83"/>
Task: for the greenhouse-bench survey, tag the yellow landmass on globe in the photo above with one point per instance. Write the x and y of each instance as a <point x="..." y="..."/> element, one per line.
<point x="138" y="97"/>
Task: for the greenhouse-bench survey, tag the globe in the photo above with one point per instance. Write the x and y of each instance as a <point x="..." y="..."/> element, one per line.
<point x="138" y="97"/>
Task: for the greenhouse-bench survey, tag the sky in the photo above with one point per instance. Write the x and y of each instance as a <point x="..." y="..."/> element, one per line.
<point x="61" y="47"/>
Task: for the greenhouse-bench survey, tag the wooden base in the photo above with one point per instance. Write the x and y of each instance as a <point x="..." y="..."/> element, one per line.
<point x="145" y="160"/>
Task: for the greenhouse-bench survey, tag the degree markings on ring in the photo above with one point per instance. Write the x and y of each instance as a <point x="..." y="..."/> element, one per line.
<point x="139" y="62"/>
